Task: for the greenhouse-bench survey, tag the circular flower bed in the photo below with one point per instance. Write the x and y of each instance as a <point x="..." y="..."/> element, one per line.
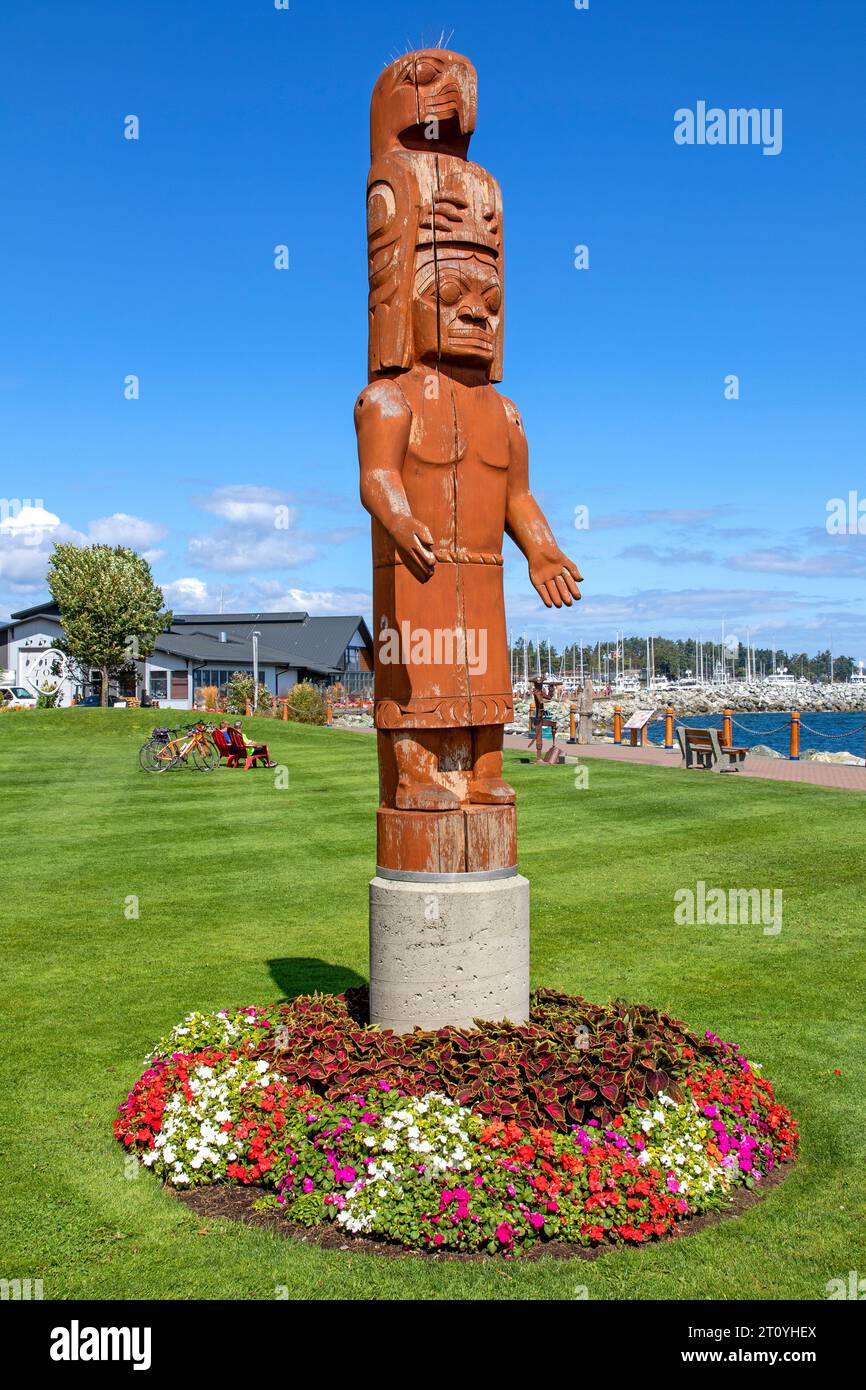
<point x="590" y="1124"/>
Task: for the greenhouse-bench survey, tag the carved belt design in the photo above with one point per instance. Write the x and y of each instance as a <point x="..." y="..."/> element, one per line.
<point x="459" y="556"/>
<point x="467" y="557"/>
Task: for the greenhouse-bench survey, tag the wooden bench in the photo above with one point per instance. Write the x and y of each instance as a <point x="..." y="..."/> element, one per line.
<point x="230" y="745"/>
<point x="704" y="748"/>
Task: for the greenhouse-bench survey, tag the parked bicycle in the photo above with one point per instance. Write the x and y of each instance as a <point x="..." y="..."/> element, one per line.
<point x="169" y="748"/>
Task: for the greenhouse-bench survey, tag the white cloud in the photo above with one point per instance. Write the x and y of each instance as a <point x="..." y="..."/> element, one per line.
<point x="320" y="601"/>
<point x="28" y="536"/>
<point x="839" y="563"/>
<point x="26" y="542"/>
<point x="236" y="550"/>
<point x="245" y="505"/>
<point x="123" y="529"/>
<point x="189" y="594"/>
<point x="27" y="525"/>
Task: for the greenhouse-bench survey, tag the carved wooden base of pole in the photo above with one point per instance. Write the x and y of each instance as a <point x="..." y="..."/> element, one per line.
<point x="447" y="842"/>
<point x="448" y="950"/>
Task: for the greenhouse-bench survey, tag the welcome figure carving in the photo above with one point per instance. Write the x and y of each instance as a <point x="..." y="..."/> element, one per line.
<point x="444" y="475"/>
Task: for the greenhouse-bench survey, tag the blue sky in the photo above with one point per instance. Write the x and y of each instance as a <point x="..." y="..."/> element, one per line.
<point x="155" y="257"/>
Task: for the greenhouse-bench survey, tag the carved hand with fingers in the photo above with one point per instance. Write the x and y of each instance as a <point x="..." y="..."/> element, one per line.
<point x="555" y="577"/>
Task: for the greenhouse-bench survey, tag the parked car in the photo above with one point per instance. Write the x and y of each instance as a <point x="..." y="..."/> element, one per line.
<point x="17" y="695"/>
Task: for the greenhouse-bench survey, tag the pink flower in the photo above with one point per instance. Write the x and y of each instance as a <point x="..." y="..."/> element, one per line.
<point x="504" y="1233"/>
<point x="536" y="1220"/>
<point x="308" y="1185"/>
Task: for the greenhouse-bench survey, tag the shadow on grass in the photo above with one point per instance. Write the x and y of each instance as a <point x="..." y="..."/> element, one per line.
<point x="296" y="975"/>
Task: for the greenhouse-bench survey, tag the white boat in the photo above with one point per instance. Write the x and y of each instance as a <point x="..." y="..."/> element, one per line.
<point x="858" y="677"/>
<point x="628" y="684"/>
<point x="782" y="679"/>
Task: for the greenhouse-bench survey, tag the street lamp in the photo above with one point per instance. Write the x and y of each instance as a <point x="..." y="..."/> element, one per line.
<point x="256" y="636"/>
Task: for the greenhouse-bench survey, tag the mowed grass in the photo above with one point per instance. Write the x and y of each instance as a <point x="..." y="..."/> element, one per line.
<point x="247" y="893"/>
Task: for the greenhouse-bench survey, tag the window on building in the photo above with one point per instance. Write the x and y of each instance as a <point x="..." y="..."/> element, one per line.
<point x="179" y="685"/>
<point x="218" y="675"/>
<point x="159" y="685"/>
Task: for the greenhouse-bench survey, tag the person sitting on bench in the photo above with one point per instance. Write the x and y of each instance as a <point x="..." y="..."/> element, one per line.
<point x="255" y="751"/>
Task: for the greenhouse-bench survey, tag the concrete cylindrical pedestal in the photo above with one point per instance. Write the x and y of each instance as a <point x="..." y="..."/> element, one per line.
<point x="447" y="950"/>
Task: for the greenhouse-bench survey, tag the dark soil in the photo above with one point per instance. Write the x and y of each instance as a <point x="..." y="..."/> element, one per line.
<point x="235" y="1203"/>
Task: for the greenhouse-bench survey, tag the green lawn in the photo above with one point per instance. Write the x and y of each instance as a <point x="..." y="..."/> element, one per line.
<point x="248" y="893"/>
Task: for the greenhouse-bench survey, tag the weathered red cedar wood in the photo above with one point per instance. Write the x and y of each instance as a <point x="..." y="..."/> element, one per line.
<point x="444" y="475"/>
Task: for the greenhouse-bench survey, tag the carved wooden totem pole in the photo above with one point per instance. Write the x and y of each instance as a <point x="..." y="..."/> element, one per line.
<point x="444" y="475"/>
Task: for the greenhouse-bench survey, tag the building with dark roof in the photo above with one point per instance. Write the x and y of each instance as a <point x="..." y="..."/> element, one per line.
<point x="202" y="649"/>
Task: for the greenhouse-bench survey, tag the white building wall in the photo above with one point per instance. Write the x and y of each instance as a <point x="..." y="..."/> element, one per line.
<point x="31" y="636"/>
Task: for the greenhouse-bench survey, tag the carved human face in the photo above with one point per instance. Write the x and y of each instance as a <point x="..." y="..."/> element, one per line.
<point x="432" y="90"/>
<point x="469" y="306"/>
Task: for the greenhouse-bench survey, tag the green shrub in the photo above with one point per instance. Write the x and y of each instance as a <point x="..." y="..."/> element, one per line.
<point x="239" y="691"/>
<point x="306" y="704"/>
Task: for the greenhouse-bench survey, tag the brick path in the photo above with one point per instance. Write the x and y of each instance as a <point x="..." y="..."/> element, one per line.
<point x="852" y="779"/>
<point x="773" y="769"/>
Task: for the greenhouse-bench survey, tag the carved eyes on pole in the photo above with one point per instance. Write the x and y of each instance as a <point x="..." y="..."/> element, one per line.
<point x="423" y="71"/>
<point x="426" y="71"/>
<point x="451" y="291"/>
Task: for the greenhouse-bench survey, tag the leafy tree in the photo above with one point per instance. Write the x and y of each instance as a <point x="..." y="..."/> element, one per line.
<point x="109" y="606"/>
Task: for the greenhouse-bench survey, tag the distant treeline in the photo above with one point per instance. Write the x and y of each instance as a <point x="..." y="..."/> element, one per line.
<point x="673" y="658"/>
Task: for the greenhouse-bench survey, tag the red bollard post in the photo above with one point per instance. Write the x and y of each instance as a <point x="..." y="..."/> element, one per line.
<point x="794" y="751"/>
<point x="617" y="723"/>
<point x="727" y="733"/>
<point x="330" y="719"/>
<point x="669" y="729"/>
<point x="572" y="730"/>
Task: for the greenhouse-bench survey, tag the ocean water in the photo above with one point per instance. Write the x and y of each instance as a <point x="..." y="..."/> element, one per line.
<point x="829" y="732"/>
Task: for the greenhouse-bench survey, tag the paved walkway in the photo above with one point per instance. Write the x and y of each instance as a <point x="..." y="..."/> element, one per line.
<point x="773" y="769"/>
<point x="852" y="779"/>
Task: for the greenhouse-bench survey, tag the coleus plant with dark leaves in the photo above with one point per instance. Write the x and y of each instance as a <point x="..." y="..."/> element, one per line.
<point x="572" y="1062"/>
